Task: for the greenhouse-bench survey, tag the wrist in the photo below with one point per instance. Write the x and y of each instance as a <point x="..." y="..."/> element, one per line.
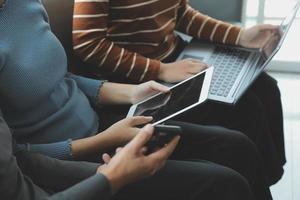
<point x="98" y="95"/>
<point x="162" y="69"/>
<point x="115" y="93"/>
<point x="85" y="146"/>
<point x="240" y="37"/>
<point x="131" y="94"/>
<point x="115" y="180"/>
<point x="104" y="141"/>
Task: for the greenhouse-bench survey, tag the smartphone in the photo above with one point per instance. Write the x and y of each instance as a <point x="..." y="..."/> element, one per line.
<point x="162" y="135"/>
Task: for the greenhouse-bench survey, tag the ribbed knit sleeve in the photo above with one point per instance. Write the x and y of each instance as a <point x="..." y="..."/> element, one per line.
<point x="90" y="87"/>
<point x="92" y="44"/>
<point x="2" y="58"/>
<point x="198" y="25"/>
<point x="59" y="150"/>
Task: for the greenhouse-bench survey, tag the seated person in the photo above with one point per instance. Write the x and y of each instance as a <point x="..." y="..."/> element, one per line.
<point x="30" y="176"/>
<point x="50" y="111"/>
<point x="135" y="41"/>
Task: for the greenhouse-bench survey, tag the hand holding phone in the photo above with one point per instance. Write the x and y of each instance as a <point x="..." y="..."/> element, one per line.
<point x="163" y="134"/>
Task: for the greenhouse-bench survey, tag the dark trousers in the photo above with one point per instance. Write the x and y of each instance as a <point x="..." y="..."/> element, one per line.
<point x="267" y="91"/>
<point x="261" y="122"/>
<point x="184" y="180"/>
<point x="207" y="144"/>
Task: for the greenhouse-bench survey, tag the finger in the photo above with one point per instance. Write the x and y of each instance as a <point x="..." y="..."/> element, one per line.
<point x="159" y="87"/>
<point x="196" y="68"/>
<point x="187" y="75"/>
<point x="142" y="138"/>
<point x="166" y="151"/>
<point x="143" y="151"/>
<point x="101" y="167"/>
<point x="106" y="158"/>
<point x="268" y="27"/>
<point x="139" y="120"/>
<point x="277" y="30"/>
<point x="118" y="149"/>
<point x="195" y="60"/>
<point x="161" y="165"/>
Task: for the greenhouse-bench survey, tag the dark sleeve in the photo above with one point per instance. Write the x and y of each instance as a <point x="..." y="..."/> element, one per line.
<point x="67" y="179"/>
<point x="13" y="184"/>
<point x="94" y="188"/>
<point x="24" y="180"/>
<point x="46" y="171"/>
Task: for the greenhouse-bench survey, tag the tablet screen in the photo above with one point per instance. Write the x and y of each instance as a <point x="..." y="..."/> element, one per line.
<point x="179" y="98"/>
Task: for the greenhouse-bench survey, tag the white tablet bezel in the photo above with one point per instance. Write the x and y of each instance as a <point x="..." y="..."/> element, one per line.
<point x="203" y="95"/>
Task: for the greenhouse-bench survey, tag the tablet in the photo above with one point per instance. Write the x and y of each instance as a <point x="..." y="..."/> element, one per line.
<point x="182" y="97"/>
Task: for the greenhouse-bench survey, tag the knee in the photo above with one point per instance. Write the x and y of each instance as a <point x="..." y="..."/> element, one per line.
<point x="273" y="86"/>
<point x="238" y="185"/>
<point x="242" y="147"/>
<point x="276" y="91"/>
<point x="250" y="106"/>
<point x="270" y="84"/>
<point x="229" y="184"/>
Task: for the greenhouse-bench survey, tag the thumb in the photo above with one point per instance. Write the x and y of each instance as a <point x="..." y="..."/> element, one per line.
<point x="106" y="158"/>
<point x="142" y="138"/>
<point x="139" y="120"/>
<point x="159" y="87"/>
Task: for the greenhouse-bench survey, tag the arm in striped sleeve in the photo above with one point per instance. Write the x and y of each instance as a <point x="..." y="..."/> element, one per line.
<point x="201" y="26"/>
<point x="90" y="42"/>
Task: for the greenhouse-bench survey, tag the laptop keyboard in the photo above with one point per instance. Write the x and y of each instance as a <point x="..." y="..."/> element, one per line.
<point x="228" y="63"/>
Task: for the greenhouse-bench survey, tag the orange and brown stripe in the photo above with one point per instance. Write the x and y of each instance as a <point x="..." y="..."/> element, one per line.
<point x="129" y="38"/>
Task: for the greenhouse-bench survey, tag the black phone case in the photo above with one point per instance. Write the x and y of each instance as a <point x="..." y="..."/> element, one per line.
<point x="163" y="134"/>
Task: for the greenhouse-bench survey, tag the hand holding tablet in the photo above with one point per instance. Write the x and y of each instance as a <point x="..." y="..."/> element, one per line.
<point x="182" y="97"/>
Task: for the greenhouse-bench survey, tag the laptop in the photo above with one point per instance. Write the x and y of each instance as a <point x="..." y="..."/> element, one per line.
<point x="236" y="68"/>
<point x="182" y="97"/>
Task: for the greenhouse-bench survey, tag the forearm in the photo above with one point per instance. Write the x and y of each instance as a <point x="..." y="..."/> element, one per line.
<point x="95" y="187"/>
<point x="73" y="180"/>
<point x="113" y="93"/>
<point x="101" y="142"/>
<point x="101" y="52"/>
<point x="46" y="171"/>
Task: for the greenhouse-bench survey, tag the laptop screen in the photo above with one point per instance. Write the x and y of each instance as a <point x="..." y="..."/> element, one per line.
<point x="276" y="40"/>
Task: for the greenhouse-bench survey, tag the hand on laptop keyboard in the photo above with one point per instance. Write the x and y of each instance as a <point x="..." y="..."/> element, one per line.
<point x="180" y="70"/>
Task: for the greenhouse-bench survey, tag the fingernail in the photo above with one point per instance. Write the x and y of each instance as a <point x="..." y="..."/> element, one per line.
<point x="149" y="128"/>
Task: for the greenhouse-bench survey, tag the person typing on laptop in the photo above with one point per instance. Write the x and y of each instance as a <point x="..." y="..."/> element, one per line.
<point x="135" y="41"/>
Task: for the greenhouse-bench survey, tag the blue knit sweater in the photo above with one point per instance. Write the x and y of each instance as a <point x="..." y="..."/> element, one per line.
<point x="43" y="104"/>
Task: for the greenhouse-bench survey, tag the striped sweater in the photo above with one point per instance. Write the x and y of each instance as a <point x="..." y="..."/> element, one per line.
<point x="129" y="38"/>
